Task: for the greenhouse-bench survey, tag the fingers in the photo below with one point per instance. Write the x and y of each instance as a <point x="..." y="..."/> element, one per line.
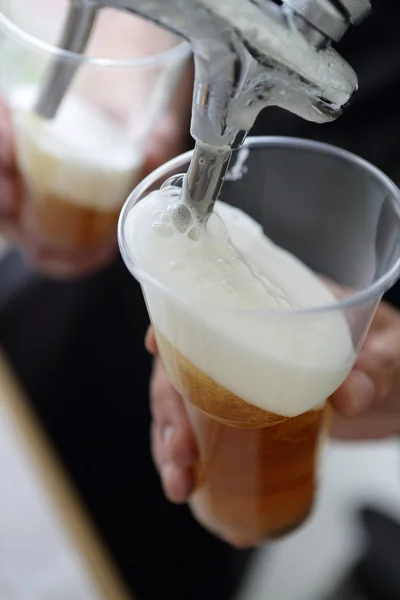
<point x="356" y="394"/>
<point x="374" y="378"/>
<point x="372" y="391"/>
<point x="150" y="341"/>
<point x="173" y="443"/>
<point x="177" y="482"/>
<point x="373" y="425"/>
<point x="18" y="226"/>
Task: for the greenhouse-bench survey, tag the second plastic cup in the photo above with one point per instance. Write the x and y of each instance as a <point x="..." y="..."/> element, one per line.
<point x="79" y="166"/>
<point x="257" y="469"/>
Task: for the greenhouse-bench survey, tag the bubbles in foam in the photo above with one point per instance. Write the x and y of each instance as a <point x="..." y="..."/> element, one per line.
<point x="224" y="320"/>
<point x="181" y="217"/>
<point x="228" y="287"/>
<point x="222" y="252"/>
<point x="194" y="234"/>
<point x="163" y="229"/>
<point x="176" y="265"/>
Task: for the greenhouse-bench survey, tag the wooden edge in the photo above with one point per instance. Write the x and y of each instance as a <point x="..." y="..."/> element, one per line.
<point x="61" y="491"/>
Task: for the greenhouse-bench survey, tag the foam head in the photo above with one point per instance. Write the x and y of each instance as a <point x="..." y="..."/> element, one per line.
<point x="82" y="155"/>
<point x="229" y="300"/>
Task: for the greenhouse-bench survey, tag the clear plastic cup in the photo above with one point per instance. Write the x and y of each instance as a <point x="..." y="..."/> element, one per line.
<point x="79" y="167"/>
<point x="257" y="469"/>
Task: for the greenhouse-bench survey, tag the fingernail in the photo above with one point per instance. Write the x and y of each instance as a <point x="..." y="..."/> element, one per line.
<point x="362" y="392"/>
<point x="167" y="435"/>
<point x="168" y="475"/>
<point x="175" y="486"/>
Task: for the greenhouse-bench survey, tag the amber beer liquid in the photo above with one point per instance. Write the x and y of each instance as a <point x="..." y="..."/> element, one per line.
<point x="256" y="474"/>
<point x="77" y="169"/>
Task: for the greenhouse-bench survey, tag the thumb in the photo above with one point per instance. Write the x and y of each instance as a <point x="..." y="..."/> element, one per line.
<point x="375" y="377"/>
<point x="173" y="443"/>
<point x="150" y="342"/>
<point x="356" y="394"/>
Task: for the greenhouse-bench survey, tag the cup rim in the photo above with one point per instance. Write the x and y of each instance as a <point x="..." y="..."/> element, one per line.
<point x="10" y="28"/>
<point x="370" y="293"/>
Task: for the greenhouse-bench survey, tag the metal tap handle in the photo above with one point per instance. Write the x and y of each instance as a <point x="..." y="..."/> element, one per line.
<point x="282" y="51"/>
<point x="330" y="17"/>
<point x="356" y="10"/>
<point x="81" y="17"/>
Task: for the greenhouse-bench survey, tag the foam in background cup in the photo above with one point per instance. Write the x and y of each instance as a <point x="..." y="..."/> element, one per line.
<point x="81" y="156"/>
<point x="237" y="324"/>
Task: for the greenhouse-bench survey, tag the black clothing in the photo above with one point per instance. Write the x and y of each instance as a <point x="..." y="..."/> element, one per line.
<point x="78" y="349"/>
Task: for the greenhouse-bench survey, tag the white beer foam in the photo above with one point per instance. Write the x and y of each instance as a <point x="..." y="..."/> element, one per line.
<point x="240" y="332"/>
<point x="81" y="155"/>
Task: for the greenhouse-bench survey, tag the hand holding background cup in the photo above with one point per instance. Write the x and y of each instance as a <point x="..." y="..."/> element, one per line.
<point x="64" y="182"/>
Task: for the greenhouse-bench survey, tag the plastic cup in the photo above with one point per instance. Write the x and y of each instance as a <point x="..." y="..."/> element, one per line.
<point x="79" y="166"/>
<point x="257" y="469"/>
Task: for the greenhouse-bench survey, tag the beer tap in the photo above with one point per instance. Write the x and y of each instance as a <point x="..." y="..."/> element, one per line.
<point x="249" y="54"/>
